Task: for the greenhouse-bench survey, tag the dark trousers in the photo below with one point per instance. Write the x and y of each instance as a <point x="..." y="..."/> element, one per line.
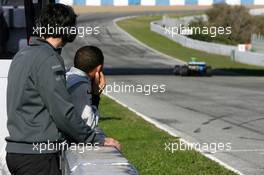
<point x="33" y="164"/>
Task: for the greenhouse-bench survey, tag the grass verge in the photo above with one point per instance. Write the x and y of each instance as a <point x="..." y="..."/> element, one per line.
<point x="144" y="145"/>
<point x="139" y="27"/>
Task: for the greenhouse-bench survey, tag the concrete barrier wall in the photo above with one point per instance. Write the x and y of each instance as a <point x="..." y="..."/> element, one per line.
<point x="105" y="160"/>
<point x="158" y="2"/>
<point x="214" y="48"/>
<point x="220" y="49"/>
<point x="249" y="58"/>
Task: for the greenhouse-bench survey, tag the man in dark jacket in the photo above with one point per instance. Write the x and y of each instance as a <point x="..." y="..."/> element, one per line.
<point x="39" y="107"/>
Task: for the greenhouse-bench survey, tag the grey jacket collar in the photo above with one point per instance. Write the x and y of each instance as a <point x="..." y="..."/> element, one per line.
<point x="76" y="71"/>
<point x="37" y="41"/>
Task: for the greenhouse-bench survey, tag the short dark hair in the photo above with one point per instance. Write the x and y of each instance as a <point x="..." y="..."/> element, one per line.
<point x="88" y="57"/>
<point x="56" y="15"/>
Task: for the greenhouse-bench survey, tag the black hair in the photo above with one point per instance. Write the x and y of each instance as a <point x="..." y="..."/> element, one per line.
<point x="88" y="57"/>
<point x="57" y="15"/>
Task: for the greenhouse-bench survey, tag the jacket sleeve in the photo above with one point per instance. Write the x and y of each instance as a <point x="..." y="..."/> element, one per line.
<point x="82" y="101"/>
<point x="52" y="88"/>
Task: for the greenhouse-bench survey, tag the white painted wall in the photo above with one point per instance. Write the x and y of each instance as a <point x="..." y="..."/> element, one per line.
<point x="4" y="66"/>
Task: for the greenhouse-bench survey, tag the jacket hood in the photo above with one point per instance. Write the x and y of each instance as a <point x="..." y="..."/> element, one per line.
<point x="75" y="76"/>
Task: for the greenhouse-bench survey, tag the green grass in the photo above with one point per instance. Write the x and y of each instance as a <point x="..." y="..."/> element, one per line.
<point x="144" y="145"/>
<point x="139" y="27"/>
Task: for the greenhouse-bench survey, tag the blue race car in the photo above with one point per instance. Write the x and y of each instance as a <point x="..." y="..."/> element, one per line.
<point x="193" y="67"/>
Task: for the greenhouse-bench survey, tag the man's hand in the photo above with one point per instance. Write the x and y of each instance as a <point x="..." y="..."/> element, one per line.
<point x="99" y="83"/>
<point x="112" y="142"/>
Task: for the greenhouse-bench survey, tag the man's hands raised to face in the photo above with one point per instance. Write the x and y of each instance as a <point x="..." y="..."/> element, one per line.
<point x="99" y="83"/>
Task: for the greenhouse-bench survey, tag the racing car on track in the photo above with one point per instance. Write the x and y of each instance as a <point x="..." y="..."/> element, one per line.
<point x="193" y="67"/>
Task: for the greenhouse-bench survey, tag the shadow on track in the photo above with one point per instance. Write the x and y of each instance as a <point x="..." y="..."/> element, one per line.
<point x="238" y="72"/>
<point x="138" y="71"/>
<point x="169" y="71"/>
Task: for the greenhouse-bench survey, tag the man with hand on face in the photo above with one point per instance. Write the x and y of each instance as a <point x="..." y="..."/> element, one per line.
<point x="85" y="83"/>
<point x="39" y="107"/>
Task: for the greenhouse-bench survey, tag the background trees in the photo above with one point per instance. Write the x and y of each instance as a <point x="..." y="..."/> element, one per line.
<point x="238" y="17"/>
